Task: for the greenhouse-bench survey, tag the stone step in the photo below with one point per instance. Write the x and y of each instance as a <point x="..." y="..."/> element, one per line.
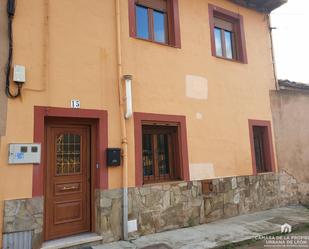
<point x="76" y="241"/>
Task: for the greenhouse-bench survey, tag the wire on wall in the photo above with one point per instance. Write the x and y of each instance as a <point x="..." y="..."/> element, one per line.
<point x="11" y="12"/>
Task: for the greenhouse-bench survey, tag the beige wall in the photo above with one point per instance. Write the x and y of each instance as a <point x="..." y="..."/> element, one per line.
<point x="72" y="54"/>
<point x="291" y="119"/>
<point x="217" y="126"/>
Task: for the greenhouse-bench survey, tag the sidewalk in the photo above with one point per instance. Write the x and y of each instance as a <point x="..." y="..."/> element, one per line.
<point x="219" y="233"/>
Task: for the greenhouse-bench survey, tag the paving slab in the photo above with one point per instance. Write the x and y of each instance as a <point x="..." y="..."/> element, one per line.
<point x="219" y="233"/>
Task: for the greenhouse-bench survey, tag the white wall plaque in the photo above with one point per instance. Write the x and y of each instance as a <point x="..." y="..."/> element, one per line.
<point x="75" y="103"/>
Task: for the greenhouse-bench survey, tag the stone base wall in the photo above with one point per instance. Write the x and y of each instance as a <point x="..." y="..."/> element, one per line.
<point x="292" y="190"/>
<point x="168" y="206"/>
<point x="24" y="215"/>
<point x="109" y="214"/>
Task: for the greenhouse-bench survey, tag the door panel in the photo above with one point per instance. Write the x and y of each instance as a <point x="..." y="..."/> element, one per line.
<point x="67" y="204"/>
<point x="68" y="211"/>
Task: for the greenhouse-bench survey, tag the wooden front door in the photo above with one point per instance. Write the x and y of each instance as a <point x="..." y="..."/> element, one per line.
<point x="67" y="190"/>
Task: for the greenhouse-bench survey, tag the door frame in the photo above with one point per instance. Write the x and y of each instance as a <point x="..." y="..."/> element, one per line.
<point x="91" y="170"/>
<point x="98" y="120"/>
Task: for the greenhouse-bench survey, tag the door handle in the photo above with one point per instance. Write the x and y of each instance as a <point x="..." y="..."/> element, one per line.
<point x="69" y="188"/>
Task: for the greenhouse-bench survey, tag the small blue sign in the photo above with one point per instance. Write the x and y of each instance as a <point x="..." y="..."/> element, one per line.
<point x="20" y="155"/>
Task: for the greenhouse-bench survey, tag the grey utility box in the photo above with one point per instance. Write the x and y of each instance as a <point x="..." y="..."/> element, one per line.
<point x="24" y="153"/>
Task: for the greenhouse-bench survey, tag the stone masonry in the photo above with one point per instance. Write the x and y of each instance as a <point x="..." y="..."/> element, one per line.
<point x="24" y="215"/>
<point x="169" y="206"/>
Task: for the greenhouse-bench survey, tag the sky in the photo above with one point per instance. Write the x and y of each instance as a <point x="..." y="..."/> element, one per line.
<point x="291" y="40"/>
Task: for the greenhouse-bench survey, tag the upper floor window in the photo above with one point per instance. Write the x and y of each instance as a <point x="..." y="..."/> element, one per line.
<point x="151" y="20"/>
<point x="155" y="20"/>
<point x="227" y="34"/>
<point x="225" y="39"/>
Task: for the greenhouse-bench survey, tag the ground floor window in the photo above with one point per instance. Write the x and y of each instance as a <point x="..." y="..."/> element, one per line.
<point x="261" y="146"/>
<point x="161" y="152"/>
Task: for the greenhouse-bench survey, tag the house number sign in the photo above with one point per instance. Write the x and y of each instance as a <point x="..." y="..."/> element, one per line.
<point x="75" y="103"/>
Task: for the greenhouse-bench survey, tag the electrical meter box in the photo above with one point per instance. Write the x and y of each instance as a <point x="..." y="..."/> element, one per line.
<point x="19" y="74"/>
<point x="24" y="153"/>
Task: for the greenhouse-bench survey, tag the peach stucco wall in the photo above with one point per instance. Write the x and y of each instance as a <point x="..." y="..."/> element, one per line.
<point x="72" y="55"/>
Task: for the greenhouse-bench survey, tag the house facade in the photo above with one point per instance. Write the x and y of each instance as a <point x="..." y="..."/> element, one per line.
<point x="198" y="74"/>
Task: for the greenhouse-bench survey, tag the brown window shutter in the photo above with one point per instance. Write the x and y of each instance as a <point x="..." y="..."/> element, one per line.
<point x="172" y="9"/>
<point x="220" y="23"/>
<point x="160" y="5"/>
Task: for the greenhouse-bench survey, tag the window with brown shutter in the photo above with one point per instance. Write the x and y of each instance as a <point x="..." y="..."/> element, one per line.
<point x="155" y="20"/>
<point x="225" y="39"/>
<point x="227" y="34"/>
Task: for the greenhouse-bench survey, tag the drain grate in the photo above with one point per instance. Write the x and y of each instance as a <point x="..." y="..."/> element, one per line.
<point x="19" y="240"/>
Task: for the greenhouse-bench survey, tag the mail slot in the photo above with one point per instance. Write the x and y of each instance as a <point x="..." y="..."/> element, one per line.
<point x="113" y="157"/>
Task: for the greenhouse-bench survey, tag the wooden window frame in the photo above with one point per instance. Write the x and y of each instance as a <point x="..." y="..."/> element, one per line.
<point x="268" y="140"/>
<point x="238" y="26"/>
<point x="173" y="24"/>
<point x="141" y="119"/>
<point x="173" y="152"/>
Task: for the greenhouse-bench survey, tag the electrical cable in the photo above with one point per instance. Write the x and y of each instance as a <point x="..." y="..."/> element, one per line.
<point x="10" y="11"/>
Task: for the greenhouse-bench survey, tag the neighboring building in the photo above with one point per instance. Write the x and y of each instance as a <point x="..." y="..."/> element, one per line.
<point x="291" y="118"/>
<point x="201" y="75"/>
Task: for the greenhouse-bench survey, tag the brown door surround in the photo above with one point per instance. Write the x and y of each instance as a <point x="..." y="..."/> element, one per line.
<point x="262" y="152"/>
<point x="68" y="188"/>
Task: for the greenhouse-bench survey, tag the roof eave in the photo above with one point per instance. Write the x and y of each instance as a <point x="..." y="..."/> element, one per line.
<point x="292" y="85"/>
<point x="264" y="6"/>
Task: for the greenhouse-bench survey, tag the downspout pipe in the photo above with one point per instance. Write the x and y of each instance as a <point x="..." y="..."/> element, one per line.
<point x="271" y="28"/>
<point x="124" y="139"/>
